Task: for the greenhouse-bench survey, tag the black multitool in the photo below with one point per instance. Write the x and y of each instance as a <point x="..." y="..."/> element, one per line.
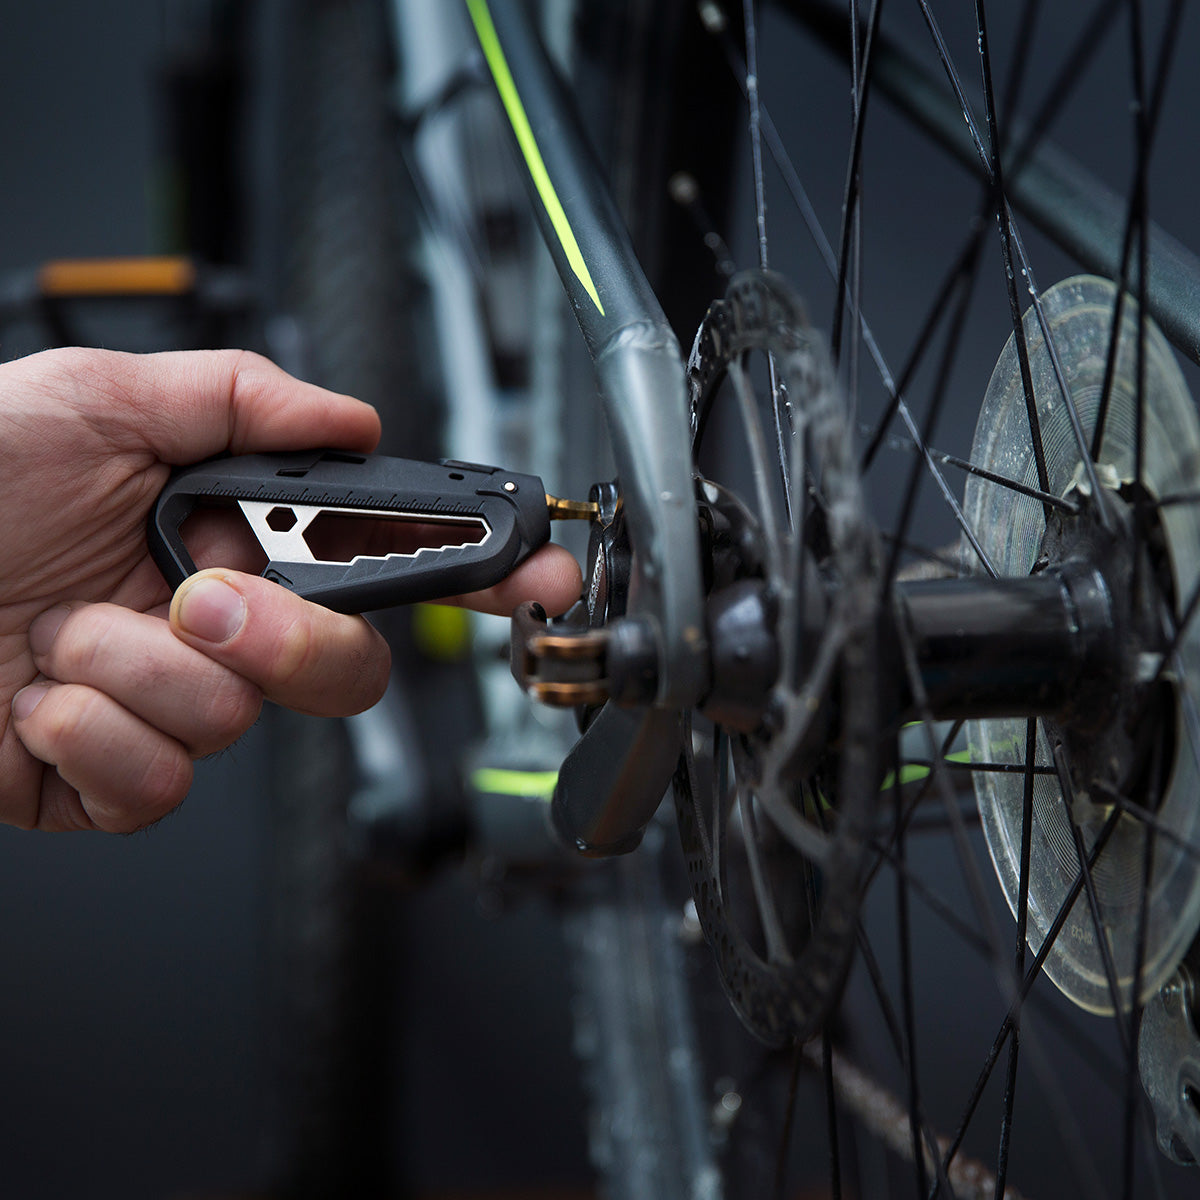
<point x="356" y="532"/>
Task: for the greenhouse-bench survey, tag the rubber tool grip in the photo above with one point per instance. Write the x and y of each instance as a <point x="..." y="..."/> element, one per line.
<point x="440" y="529"/>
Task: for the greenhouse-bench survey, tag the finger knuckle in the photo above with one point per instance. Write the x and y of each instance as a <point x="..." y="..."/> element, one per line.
<point x="247" y="370"/>
<point x="231" y="709"/>
<point x="60" y="808"/>
<point x="166" y="782"/>
<point x="69" y="712"/>
<point x="296" y="653"/>
<point x="83" y="643"/>
<point x="163" y="785"/>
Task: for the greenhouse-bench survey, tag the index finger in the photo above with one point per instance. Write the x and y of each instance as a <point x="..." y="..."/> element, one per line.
<point x="551" y="577"/>
<point x="190" y="404"/>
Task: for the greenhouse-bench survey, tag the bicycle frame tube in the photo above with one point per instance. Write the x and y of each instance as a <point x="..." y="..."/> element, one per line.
<point x="636" y="356"/>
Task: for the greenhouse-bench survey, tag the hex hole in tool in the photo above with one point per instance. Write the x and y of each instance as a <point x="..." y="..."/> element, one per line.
<point x="281" y="519"/>
<point x="218" y="535"/>
<point x="341" y="537"/>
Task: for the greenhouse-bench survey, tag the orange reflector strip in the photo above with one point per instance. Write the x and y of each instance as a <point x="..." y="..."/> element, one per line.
<point x="165" y="276"/>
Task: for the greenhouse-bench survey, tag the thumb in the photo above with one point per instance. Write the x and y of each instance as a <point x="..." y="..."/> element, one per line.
<point x="298" y="654"/>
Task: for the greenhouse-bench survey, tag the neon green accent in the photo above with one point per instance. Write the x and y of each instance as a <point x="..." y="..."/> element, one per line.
<point x="498" y="781"/>
<point x="442" y="631"/>
<point x="511" y="99"/>
<point x="911" y="772"/>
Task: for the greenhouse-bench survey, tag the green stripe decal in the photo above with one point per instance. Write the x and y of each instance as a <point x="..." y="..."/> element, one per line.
<point x="511" y="99"/>
<point x="497" y="781"/>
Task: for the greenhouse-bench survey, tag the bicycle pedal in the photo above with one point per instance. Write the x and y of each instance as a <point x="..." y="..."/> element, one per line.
<point x="356" y="532"/>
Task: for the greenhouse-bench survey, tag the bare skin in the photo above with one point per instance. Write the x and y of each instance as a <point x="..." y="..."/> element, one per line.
<point x="109" y="688"/>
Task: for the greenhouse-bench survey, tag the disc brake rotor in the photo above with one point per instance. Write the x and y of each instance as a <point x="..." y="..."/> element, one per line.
<point x="1010" y="527"/>
<point x="773" y="855"/>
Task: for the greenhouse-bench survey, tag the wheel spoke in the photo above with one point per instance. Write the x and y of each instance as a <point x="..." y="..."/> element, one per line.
<point x="940" y="907"/>
<point x="965" y="265"/>
<point x="1031" y="977"/>
<point x="861" y="92"/>
<point x="1133" y="1105"/>
<point x="1147" y="818"/>
<point x="1089" y="1051"/>
<point x="1022" y="489"/>
<point x="1064" y="390"/>
<point x="1014" y="255"/>
<point x="1010" y="1083"/>
<point x="1037" y="130"/>
<point x="785" y="1134"/>
<point x="750" y="26"/>
<point x="1101" y="935"/>
<point x="906" y="996"/>
<point x="925" y="790"/>
<point x="940" y="391"/>
<point x="1078" y="59"/>
<point x="884" y="1117"/>
<point x="800" y="197"/>
<point x="995" y="174"/>
<point x="968" y="867"/>
<point x="892" y="1023"/>
<point x="835" y="1155"/>
<point x="956" y="86"/>
<point x="1136" y="224"/>
<point x="768" y="914"/>
<point x="982" y="768"/>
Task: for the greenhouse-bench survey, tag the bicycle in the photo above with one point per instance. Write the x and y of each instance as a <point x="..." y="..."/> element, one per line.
<point x="736" y="521"/>
<point x="961" y="645"/>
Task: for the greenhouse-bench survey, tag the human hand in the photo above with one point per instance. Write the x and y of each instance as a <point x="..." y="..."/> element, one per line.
<point x="109" y="689"/>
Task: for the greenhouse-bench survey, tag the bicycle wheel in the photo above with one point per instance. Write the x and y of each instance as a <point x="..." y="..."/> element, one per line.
<point x="813" y="755"/>
<point x="339" y="222"/>
<point x="1079" y="455"/>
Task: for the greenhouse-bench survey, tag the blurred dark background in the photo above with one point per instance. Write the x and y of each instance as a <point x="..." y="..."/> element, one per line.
<point x="132" y="1063"/>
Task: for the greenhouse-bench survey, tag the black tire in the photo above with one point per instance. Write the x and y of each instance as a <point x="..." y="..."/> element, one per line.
<point x="344" y="228"/>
